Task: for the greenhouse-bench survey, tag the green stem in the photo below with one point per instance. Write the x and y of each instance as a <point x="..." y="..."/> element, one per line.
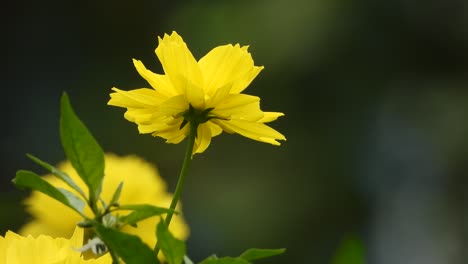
<point x="115" y="258"/>
<point x="182" y="176"/>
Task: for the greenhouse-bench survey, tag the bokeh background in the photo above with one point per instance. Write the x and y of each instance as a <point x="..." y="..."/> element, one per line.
<point x="376" y="101"/>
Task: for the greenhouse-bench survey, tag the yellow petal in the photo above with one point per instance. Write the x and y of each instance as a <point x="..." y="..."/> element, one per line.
<point x="43" y="249"/>
<point x="139" y="115"/>
<point x="172" y="107"/>
<point x="138" y="98"/>
<point x="159" y="125"/>
<point x="252" y="130"/>
<point x="173" y="134"/>
<point x="203" y="139"/>
<point x="3" y="249"/>
<point x="178" y="63"/>
<point x="160" y="83"/>
<point x="243" y="82"/>
<point x="77" y="238"/>
<point x="219" y="95"/>
<point x="215" y="129"/>
<point x="270" y="116"/>
<point x="195" y="95"/>
<point x="239" y="106"/>
<point x="227" y="64"/>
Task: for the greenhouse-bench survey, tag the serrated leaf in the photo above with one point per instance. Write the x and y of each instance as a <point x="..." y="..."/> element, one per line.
<point x="58" y="173"/>
<point x="224" y="260"/>
<point x="81" y="148"/>
<point x="141" y="212"/>
<point x="28" y="179"/>
<point x="128" y="247"/>
<point x="350" y="251"/>
<point x="172" y="248"/>
<point x="257" y="253"/>
<point x="116" y="196"/>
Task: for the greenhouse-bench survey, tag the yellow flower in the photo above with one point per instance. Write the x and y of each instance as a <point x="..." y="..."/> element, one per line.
<point x="141" y="184"/>
<point x="15" y="249"/>
<point x="209" y="89"/>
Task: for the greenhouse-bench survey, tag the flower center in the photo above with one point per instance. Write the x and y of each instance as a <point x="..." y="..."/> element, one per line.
<point x="196" y="116"/>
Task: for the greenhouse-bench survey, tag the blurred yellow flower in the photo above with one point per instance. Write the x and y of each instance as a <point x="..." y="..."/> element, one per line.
<point x="141" y="184"/>
<point x="210" y="88"/>
<point x="15" y="249"/>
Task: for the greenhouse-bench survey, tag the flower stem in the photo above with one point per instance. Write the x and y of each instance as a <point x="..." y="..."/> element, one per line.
<point x="182" y="176"/>
<point x="115" y="258"/>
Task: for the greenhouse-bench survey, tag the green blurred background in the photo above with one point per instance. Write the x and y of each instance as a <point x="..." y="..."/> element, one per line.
<point x="376" y="101"/>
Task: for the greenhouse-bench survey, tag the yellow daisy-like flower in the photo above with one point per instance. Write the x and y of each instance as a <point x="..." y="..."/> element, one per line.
<point x="15" y="249"/>
<point x="141" y="185"/>
<point x="208" y="90"/>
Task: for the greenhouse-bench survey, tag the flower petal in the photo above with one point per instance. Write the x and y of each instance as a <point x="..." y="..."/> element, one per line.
<point x="160" y="83"/>
<point x="155" y="125"/>
<point x="138" y="98"/>
<point x="195" y="95"/>
<point x="178" y="63"/>
<point x="76" y="239"/>
<point x="243" y="82"/>
<point x="173" y="134"/>
<point x="252" y="130"/>
<point x="270" y="116"/>
<point x="203" y="139"/>
<point x="172" y="107"/>
<point x="219" y="95"/>
<point x="227" y="64"/>
<point x="239" y="106"/>
<point x="139" y="115"/>
<point x="215" y="129"/>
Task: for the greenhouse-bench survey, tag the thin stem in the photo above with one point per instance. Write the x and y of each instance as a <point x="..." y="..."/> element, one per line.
<point x="182" y="176"/>
<point x="115" y="258"/>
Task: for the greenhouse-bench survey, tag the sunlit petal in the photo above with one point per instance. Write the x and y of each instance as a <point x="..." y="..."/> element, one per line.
<point x="219" y="95"/>
<point x="203" y="138"/>
<point x="16" y="249"/>
<point x="270" y="116"/>
<point x="173" y="134"/>
<point x="239" y="106"/>
<point x="242" y="83"/>
<point x="215" y="129"/>
<point x="138" y="98"/>
<point x="178" y="63"/>
<point x="160" y="83"/>
<point x="172" y="107"/>
<point x="252" y="130"/>
<point x="139" y="115"/>
<point x="226" y="64"/>
<point x="195" y="95"/>
<point x="156" y="125"/>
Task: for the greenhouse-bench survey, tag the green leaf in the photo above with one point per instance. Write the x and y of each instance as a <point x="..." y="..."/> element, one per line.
<point x="130" y="248"/>
<point x="28" y="179"/>
<point x="187" y="260"/>
<point x="116" y="196"/>
<point x="172" y="248"/>
<point x="81" y="148"/>
<point x="225" y="260"/>
<point x="351" y="251"/>
<point x="140" y="212"/>
<point x="58" y="173"/>
<point x="256" y="253"/>
<point x="244" y="258"/>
